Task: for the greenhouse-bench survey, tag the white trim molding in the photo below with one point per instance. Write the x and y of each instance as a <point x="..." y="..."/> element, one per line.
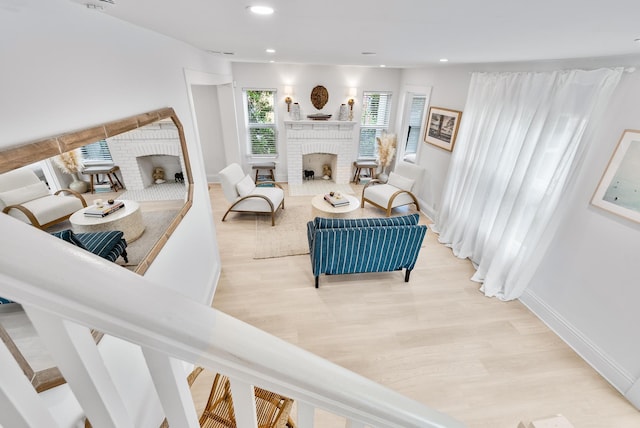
<point x="601" y="362"/>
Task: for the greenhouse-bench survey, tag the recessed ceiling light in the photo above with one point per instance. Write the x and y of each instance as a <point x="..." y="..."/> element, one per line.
<point x="382" y="65"/>
<point x="269" y="50"/>
<point x="261" y="10"/>
<point x="271" y="61"/>
<point x="637" y="40"/>
<point x="444" y="60"/>
<point x="368" y="53"/>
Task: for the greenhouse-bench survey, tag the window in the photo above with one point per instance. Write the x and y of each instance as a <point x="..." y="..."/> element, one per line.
<point x="376" y="107"/>
<point x="261" y="121"/>
<point x="415" y="127"/>
<point x="96" y="153"/>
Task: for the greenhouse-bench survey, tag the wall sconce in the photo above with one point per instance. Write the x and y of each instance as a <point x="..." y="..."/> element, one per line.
<point x="352" y="94"/>
<point x="287" y="99"/>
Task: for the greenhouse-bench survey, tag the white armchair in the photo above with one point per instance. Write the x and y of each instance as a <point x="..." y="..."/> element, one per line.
<point x="25" y="197"/>
<point x="396" y="192"/>
<point x="243" y="194"/>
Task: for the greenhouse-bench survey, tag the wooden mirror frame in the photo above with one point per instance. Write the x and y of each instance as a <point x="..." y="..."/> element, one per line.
<point x="29" y="153"/>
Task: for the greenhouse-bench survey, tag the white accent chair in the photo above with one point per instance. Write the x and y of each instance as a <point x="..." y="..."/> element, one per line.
<point x="396" y="192"/>
<point x="24" y="196"/>
<point x="243" y="194"/>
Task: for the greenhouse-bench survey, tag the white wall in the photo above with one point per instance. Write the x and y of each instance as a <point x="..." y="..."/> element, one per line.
<point x="449" y="90"/>
<point x="586" y="287"/>
<point x="205" y="100"/>
<point x="302" y="79"/>
<point x="65" y="67"/>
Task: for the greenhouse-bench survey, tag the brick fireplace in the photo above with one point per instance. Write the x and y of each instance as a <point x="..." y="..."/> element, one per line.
<point x="137" y="152"/>
<point x="320" y="137"/>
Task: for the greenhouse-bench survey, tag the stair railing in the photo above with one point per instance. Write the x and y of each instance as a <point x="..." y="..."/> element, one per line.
<point x="66" y="292"/>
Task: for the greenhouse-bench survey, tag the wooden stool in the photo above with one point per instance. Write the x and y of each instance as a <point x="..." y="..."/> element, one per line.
<point x="110" y="171"/>
<point x="270" y="166"/>
<point x="360" y="165"/>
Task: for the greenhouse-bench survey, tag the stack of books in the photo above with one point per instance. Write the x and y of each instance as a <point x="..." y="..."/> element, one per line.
<point x="335" y="202"/>
<point x="102" y="188"/>
<point x="105" y="210"/>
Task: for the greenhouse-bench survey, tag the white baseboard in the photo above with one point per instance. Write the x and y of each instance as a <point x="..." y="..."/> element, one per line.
<point x="427" y="210"/>
<point x="591" y="353"/>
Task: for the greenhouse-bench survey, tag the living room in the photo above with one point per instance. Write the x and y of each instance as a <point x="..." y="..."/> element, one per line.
<point x="583" y="287"/>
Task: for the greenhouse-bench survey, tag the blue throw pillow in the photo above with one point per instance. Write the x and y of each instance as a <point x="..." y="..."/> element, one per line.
<point x="101" y="243"/>
<point x="68" y="236"/>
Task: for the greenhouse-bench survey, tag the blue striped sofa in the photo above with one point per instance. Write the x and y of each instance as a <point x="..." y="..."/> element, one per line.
<point x="341" y="246"/>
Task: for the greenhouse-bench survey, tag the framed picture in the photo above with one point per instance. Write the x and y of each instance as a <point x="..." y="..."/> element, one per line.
<point x="442" y="127"/>
<point x="619" y="188"/>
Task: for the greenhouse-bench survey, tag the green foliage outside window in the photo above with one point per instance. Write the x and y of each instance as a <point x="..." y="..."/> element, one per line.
<point x="261" y="121"/>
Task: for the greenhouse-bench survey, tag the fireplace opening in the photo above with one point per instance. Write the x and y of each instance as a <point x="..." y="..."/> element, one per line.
<point x="148" y="164"/>
<point x="315" y="162"/>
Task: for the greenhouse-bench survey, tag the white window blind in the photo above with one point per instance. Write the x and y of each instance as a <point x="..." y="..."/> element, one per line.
<point x="376" y="107"/>
<point x="415" y="124"/>
<point x="261" y="121"/>
<point x="96" y="152"/>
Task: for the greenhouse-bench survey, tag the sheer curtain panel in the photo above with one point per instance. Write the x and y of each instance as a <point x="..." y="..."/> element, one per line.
<point x="519" y="139"/>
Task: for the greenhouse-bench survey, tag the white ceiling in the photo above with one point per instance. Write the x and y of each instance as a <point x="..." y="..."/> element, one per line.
<point x="402" y="33"/>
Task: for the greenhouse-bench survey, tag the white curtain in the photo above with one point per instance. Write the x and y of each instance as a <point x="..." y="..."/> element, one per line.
<point x="520" y="138"/>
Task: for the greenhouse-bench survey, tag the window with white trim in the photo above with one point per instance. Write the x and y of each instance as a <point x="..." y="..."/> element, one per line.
<point x="376" y="108"/>
<point x="261" y="121"/>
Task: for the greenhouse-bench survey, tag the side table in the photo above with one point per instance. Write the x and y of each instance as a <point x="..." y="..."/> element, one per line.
<point x="267" y="166"/>
<point x="360" y="165"/>
<point x="110" y="171"/>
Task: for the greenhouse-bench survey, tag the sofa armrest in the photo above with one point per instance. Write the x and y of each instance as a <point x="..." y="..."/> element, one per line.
<point x="26" y="212"/>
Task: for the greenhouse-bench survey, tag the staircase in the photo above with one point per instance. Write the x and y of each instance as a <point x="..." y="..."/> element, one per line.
<point x="136" y="376"/>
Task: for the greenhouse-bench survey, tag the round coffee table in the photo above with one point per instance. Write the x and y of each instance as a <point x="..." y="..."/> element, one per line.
<point x="127" y="219"/>
<point x="322" y="208"/>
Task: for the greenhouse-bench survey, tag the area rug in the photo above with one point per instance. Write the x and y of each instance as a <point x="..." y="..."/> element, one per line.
<point x="287" y="238"/>
<point x="318" y="187"/>
<point x="155" y="224"/>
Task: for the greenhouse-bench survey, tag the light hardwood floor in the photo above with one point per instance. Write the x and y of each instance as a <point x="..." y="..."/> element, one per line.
<point x="436" y="339"/>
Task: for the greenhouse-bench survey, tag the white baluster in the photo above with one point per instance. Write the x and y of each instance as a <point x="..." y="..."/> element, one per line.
<point x="20" y="405"/>
<point x="244" y="404"/>
<point x="305" y="415"/>
<point x="171" y="385"/>
<point x="76" y="354"/>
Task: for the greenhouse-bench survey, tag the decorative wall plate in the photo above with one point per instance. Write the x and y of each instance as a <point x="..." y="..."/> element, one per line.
<point x="319" y="97"/>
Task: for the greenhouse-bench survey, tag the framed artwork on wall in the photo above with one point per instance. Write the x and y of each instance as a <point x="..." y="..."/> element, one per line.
<point x="442" y="127"/>
<point x="619" y="188"/>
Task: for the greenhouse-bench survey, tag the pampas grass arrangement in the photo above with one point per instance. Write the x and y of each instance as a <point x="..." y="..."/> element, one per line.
<point x="386" y="149"/>
<point x="69" y="162"/>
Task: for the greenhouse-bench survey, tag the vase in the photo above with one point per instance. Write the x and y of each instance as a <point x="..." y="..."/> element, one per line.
<point x="78" y="185"/>
<point x="383" y="177"/>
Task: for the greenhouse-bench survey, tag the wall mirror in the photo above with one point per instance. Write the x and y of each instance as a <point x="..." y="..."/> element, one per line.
<point x="138" y="147"/>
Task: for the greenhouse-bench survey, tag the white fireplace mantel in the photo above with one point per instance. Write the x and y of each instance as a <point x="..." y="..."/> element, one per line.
<point x="312" y="136"/>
